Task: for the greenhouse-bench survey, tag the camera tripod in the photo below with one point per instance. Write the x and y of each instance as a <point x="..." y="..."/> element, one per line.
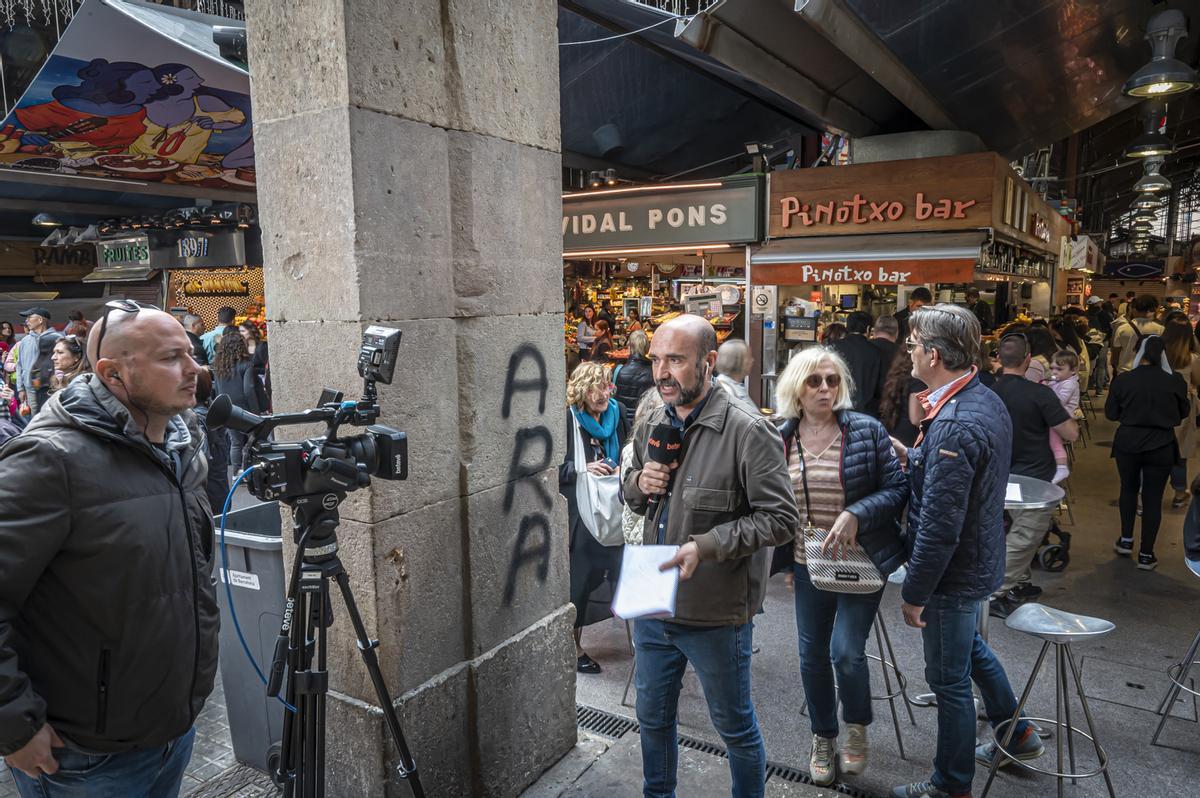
<point x="303" y="639"/>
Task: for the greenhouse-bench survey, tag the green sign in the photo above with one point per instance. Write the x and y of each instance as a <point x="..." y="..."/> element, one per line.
<point x="724" y="211"/>
<point x="124" y="252"/>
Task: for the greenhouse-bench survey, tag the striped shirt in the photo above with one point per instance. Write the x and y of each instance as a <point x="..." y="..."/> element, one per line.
<point x="824" y="488"/>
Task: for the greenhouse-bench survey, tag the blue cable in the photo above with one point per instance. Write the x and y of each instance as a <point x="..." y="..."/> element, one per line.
<point x="229" y="591"/>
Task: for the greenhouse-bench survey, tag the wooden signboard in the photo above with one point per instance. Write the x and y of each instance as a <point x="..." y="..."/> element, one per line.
<point x="957" y="192"/>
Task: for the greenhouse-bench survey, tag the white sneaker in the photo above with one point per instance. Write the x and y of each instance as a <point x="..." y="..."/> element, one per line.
<point x="822" y="764"/>
<point x="852" y="760"/>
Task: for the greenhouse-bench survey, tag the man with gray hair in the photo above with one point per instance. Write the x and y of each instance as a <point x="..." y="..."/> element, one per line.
<point x="955" y="542"/>
<point x="193" y="325"/>
<point x="733" y="364"/>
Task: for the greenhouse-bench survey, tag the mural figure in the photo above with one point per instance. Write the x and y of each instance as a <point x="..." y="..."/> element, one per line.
<point x="104" y="113"/>
<point x="182" y="116"/>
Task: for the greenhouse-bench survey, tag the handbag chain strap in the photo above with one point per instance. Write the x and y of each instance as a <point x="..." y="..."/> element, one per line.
<point x="804" y="478"/>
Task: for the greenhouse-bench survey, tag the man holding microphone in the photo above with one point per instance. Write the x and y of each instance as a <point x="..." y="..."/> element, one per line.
<point x="723" y="503"/>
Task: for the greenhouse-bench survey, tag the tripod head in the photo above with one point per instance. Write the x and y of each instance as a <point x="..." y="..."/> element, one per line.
<point x="328" y="464"/>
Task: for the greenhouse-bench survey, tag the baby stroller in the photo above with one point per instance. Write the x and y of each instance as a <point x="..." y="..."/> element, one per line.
<point x="1054" y="557"/>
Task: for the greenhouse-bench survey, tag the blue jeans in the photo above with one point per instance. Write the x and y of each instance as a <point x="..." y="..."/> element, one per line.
<point x="720" y="656"/>
<point x="148" y="773"/>
<point x="955" y="655"/>
<point x="834" y="625"/>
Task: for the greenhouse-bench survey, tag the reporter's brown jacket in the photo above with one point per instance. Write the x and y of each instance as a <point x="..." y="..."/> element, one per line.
<point x="732" y="495"/>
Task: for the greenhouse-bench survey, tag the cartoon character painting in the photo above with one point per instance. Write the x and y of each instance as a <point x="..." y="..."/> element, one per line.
<point x="182" y="116"/>
<point x="104" y="113"/>
<point x="126" y="119"/>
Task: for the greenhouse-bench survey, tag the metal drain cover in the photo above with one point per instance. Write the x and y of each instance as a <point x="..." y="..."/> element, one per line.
<point x="1131" y="686"/>
<point x="240" y="781"/>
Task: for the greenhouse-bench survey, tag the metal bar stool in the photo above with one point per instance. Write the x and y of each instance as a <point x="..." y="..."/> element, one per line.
<point x="1178" y="673"/>
<point x="884" y="641"/>
<point x="1059" y="629"/>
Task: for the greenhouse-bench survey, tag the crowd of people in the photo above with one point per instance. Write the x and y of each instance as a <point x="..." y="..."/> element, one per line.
<point x="922" y="410"/>
<point x="44" y="361"/>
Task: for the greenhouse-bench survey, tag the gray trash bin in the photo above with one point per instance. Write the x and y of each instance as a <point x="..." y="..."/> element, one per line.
<point x="253" y="542"/>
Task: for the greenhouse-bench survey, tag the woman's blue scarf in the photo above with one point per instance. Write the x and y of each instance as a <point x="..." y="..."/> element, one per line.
<point x="605" y="430"/>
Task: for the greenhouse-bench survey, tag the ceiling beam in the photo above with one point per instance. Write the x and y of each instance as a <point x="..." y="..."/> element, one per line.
<point x="847" y="32"/>
<point x="710" y="35"/>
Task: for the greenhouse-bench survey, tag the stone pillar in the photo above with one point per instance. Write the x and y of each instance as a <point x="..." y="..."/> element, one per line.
<point x="409" y="174"/>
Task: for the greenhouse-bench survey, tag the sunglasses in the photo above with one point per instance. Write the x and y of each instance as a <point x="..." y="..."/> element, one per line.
<point x="814" y="380"/>
<point x="126" y="305"/>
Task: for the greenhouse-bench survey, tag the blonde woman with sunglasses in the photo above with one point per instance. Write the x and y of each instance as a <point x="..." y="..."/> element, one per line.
<point x="848" y="482"/>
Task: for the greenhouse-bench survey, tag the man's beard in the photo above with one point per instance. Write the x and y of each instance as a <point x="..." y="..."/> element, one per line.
<point x="686" y="395"/>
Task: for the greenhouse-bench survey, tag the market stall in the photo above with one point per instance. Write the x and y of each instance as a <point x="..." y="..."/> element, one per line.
<point x="864" y="236"/>
<point x="641" y="255"/>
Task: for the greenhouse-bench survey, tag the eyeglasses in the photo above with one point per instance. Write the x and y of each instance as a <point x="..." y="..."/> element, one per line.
<point x="910" y="345"/>
<point x="126" y="305"/>
<point x="814" y="380"/>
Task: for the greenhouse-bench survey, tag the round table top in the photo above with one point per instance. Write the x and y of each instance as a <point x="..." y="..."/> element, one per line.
<point x="1034" y="494"/>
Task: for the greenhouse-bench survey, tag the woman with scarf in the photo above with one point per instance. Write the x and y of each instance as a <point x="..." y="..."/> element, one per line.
<point x="1148" y="402"/>
<point x="603" y="428"/>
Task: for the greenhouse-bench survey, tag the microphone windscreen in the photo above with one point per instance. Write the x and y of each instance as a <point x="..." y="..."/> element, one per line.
<point x="665" y="444"/>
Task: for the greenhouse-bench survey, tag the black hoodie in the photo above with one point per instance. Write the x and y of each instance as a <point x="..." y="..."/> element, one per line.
<point x="108" y="614"/>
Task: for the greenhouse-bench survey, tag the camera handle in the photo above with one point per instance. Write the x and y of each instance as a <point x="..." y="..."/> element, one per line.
<point x="301" y="768"/>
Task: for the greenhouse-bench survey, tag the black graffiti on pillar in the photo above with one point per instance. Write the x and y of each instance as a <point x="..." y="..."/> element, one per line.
<point x="526" y="551"/>
<point x="538" y="553"/>
<point x="521" y="472"/>
<point x="512" y="385"/>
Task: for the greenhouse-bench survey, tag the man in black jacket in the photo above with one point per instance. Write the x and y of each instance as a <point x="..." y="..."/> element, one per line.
<point x="981" y="309"/>
<point x="1034" y="410"/>
<point x="958" y="471"/>
<point x="108" y="615"/>
<point x="919" y="298"/>
<point x="867" y="369"/>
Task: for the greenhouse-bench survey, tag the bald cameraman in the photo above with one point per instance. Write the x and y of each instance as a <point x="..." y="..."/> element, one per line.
<point x="108" y="615"/>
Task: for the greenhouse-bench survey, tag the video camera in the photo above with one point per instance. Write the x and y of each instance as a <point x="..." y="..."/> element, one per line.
<point x="327" y="464"/>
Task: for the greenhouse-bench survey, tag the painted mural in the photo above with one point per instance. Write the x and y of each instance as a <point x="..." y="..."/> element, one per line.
<point x="182" y="118"/>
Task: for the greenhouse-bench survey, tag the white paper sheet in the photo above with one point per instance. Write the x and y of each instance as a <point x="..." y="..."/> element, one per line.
<point x="643" y="591"/>
<point x="1013" y="493"/>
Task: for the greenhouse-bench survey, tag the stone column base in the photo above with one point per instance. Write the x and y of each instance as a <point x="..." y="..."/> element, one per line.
<point x="485" y="727"/>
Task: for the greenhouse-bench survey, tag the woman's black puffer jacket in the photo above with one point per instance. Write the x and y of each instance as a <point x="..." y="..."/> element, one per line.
<point x="633" y="380"/>
<point x="874" y="484"/>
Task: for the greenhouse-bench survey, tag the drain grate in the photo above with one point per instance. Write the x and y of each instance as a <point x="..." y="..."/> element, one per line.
<point x="614" y="726"/>
<point x="606" y="724"/>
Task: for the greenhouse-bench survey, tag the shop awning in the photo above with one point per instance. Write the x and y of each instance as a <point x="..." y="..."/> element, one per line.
<point x="120" y="274"/>
<point x="898" y="259"/>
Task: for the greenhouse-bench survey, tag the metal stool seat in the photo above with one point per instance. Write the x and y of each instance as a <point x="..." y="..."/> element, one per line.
<point x="1058" y="629"/>
<point x="1057" y="626"/>
<point x="1178" y="673"/>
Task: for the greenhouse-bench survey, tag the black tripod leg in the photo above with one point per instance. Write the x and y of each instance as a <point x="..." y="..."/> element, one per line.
<point x="367" y="646"/>
<point x="324" y="617"/>
<point x="290" y="775"/>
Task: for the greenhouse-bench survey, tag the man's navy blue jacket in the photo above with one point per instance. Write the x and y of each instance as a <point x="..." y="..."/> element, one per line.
<point x="957" y="477"/>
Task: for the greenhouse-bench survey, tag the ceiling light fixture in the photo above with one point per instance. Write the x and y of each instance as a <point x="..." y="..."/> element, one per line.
<point x="610" y="177"/>
<point x="1153" y="143"/>
<point x="46" y="220"/>
<point x="1165" y="74"/>
<point x="1147" y="202"/>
